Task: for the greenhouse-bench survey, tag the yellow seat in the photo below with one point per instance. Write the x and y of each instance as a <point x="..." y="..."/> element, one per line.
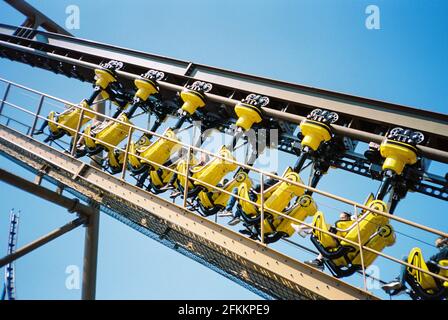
<point x="215" y="170"/>
<point x="426" y="281"/>
<point x="372" y="230"/>
<point x="304" y="207"/>
<point x="284" y="193"/>
<point x="160" y="150"/>
<point x="107" y="134"/>
<point x="218" y="198"/>
<point x="158" y="180"/>
<point x="69" y="119"/>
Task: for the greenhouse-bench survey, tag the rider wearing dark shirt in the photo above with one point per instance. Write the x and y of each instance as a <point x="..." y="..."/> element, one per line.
<point x="398" y="286"/>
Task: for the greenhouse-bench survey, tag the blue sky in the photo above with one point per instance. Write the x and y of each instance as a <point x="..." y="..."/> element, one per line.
<point x="317" y="43"/>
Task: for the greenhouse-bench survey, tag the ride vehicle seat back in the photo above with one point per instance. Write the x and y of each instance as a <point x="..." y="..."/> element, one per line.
<point x="243" y="193"/>
<point x="109" y="133"/>
<point x="326" y="240"/>
<point x="305" y="206"/>
<point x="221" y="198"/>
<point x="368" y="222"/>
<point x="182" y="166"/>
<point x="161" y="150"/>
<point x="443" y="270"/>
<point x="284" y="192"/>
<point x="216" y="169"/>
<point x="426" y="281"/>
<point x="69" y="119"/>
<point x="382" y="238"/>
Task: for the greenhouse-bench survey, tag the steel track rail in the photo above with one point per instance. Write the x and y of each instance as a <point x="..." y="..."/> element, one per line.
<point x="364" y="118"/>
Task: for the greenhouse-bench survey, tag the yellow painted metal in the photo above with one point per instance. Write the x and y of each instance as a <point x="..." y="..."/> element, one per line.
<point x="103" y="78"/>
<point x="304" y="207"/>
<point x="397" y="155"/>
<point x="373" y="231"/>
<point x="247" y="115"/>
<point x="284" y="193"/>
<point x="314" y="133"/>
<point x="145" y="88"/>
<point x="108" y="132"/>
<point x="69" y="118"/>
<point x="215" y="170"/>
<point x="160" y="151"/>
<point x="135" y="148"/>
<point x="192" y="100"/>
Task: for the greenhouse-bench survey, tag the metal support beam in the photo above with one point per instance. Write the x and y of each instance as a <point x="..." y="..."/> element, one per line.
<point x="91" y="236"/>
<point x="90" y="257"/>
<point x="42" y="241"/>
<point x="72" y="205"/>
<point x="35" y="18"/>
<point x="5" y="95"/>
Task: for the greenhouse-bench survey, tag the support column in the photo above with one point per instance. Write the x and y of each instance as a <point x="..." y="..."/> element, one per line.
<point x="91" y="235"/>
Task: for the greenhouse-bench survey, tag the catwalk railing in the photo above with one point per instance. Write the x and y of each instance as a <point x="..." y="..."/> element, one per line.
<point x="190" y="149"/>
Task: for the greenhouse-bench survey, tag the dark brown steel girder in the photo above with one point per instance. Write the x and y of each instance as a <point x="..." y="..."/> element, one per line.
<point x="35" y="18"/>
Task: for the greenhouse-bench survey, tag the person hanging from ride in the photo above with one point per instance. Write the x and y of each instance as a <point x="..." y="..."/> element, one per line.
<point x="398" y="286"/>
<point x="236" y="217"/>
<point x="318" y="262"/>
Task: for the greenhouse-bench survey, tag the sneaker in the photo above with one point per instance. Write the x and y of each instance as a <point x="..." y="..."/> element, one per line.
<point x="167" y="187"/>
<point x="38" y="132"/>
<point x="302" y="230"/>
<point x="316" y="263"/>
<point x="234" y="221"/>
<point x="175" y="194"/>
<point x="246" y="232"/>
<point x="254" y="236"/>
<point x="398" y="292"/>
<point x="393" y="286"/>
<point x="225" y="213"/>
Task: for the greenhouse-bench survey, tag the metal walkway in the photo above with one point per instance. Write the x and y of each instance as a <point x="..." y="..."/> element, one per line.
<point x="257" y="267"/>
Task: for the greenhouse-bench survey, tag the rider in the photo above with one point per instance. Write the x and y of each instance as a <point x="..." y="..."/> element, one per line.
<point x="398" y="286"/>
<point x="318" y="262"/>
<point x="269" y="182"/>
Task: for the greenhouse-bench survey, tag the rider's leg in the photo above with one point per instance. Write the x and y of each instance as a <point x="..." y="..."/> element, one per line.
<point x="230" y="204"/>
<point x="395" y="287"/>
<point x="232" y="200"/>
<point x="41" y="129"/>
